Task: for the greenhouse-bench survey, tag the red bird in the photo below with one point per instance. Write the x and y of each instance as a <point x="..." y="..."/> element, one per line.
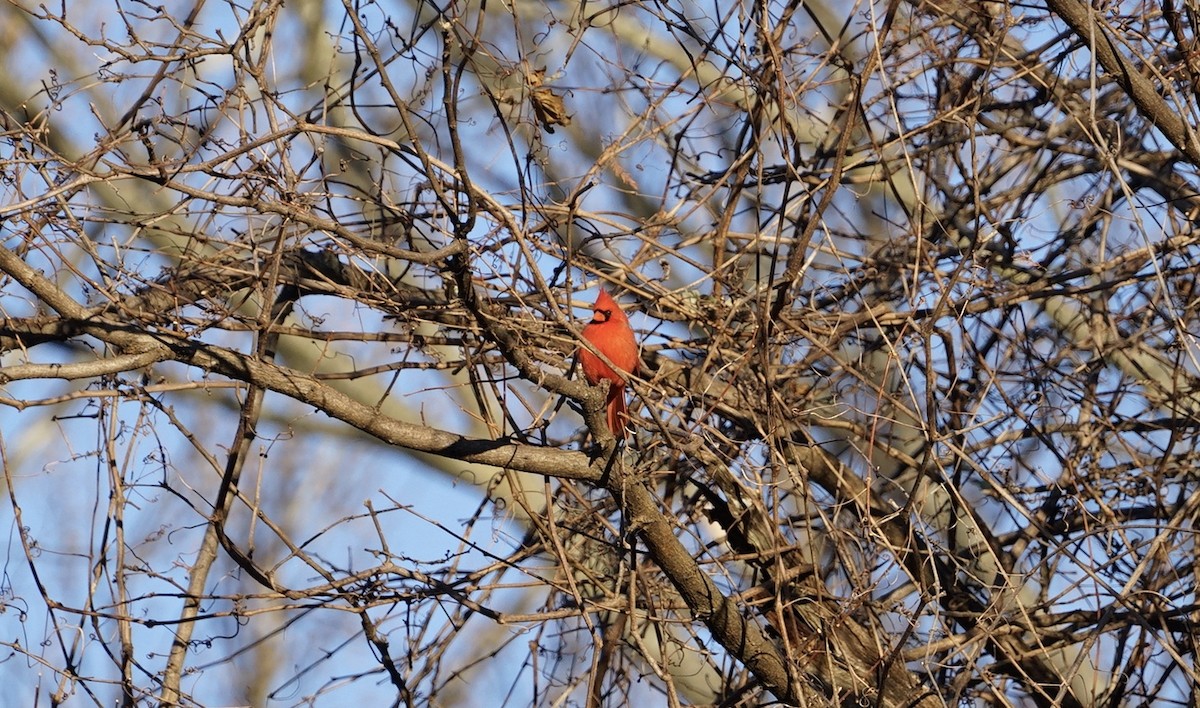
<point x="610" y="333"/>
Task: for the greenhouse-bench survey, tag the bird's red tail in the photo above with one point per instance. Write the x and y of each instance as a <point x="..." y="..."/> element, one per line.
<point x="617" y="413"/>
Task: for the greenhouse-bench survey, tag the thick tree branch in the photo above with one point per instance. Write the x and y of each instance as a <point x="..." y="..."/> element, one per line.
<point x="1087" y="23"/>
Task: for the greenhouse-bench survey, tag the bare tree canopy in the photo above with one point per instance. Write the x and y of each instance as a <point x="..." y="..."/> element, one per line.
<point x="291" y="296"/>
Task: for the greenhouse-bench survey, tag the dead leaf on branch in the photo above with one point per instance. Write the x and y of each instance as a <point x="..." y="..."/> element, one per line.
<point x="547" y="105"/>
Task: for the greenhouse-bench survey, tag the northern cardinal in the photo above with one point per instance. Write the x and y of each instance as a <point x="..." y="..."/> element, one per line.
<point x="610" y="333"/>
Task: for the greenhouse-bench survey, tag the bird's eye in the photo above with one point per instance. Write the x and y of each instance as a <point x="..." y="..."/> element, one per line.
<point x="603" y="315"/>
